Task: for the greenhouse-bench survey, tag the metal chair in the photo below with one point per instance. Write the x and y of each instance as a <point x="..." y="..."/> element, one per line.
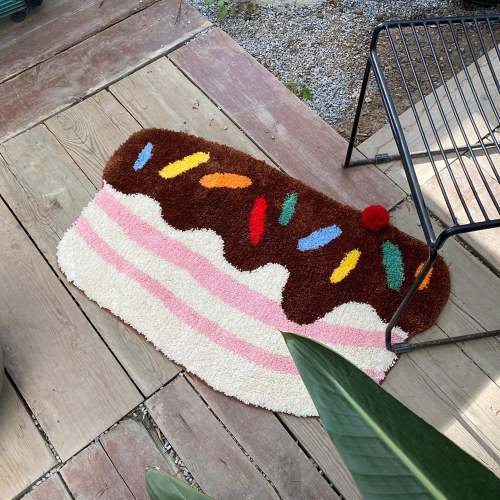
<point x="430" y="56"/>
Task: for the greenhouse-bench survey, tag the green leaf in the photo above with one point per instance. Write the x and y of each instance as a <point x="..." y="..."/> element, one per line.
<point x="208" y="2"/>
<point x="305" y="92"/>
<point x="390" y="451"/>
<point x="162" y="486"/>
<point x="292" y="86"/>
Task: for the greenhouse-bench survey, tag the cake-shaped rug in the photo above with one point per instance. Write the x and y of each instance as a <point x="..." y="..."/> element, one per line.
<point x="210" y="253"/>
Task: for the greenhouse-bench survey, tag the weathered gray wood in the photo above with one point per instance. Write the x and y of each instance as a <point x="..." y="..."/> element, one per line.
<point x="283" y="126"/>
<point x="159" y="95"/>
<point x="132" y="451"/>
<point x="311" y="435"/>
<point x="263" y="437"/>
<point x="91" y="131"/>
<point x="211" y="455"/>
<point x="475" y="289"/>
<point x="55" y="26"/>
<point x="64" y="79"/>
<point x="47" y="191"/>
<point x="383" y="142"/>
<point x="91" y="474"/>
<point x="51" y="489"/>
<point x="486" y="243"/>
<point x="446" y="385"/>
<point x="72" y="383"/>
<point x="24" y="455"/>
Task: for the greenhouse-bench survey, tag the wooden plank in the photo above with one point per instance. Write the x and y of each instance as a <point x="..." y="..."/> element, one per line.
<point x="160" y="96"/>
<point x="211" y="455"/>
<point x="383" y="142"/>
<point x="475" y="289"/>
<point x="447" y="389"/>
<point x="263" y="437"/>
<point x="485" y="353"/>
<point x="447" y="386"/>
<point x="70" y="380"/>
<point x="64" y="79"/>
<point x="91" y="474"/>
<point x="91" y="131"/>
<point x="24" y="455"/>
<point x="311" y="435"/>
<point x="51" y="489"/>
<point x="282" y="125"/>
<point x="53" y="28"/>
<point x="47" y="191"/>
<point x="132" y="451"/>
<point x="487" y="242"/>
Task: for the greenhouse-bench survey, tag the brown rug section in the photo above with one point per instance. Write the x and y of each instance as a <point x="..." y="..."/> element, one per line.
<point x="309" y="294"/>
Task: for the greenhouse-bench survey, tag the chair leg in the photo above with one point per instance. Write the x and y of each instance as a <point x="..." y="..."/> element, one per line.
<point x="406" y="346"/>
<point x="357" y="116"/>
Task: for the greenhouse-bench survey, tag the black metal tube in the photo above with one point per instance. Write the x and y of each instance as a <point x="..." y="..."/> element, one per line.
<point x="433" y="128"/>
<point x="469" y="113"/>
<point x="445" y="121"/>
<point x="357" y="116"/>
<point x="397" y="131"/>
<point x="486" y="54"/>
<point x="407" y="298"/>
<point x="455" y="113"/>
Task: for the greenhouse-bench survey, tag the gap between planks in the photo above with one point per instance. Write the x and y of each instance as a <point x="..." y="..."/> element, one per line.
<point x="25" y="104"/>
<point x="93" y="164"/>
<point x="157" y="111"/>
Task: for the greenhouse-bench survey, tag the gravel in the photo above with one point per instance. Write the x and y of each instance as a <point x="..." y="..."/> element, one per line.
<point x="322" y="46"/>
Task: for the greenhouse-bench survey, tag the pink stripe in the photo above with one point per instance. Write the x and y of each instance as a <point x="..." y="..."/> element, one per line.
<point x="181" y="310"/>
<point x="226" y="288"/>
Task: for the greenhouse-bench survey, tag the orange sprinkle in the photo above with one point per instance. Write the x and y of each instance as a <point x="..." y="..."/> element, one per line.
<point x="426" y="280"/>
<point x="225" y="180"/>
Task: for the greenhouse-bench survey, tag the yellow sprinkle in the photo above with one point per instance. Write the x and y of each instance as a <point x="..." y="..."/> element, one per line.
<point x="348" y="263"/>
<point x="426" y="280"/>
<point x="187" y="163"/>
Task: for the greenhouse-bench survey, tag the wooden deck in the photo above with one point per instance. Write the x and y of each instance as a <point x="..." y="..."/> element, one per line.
<point x="88" y="403"/>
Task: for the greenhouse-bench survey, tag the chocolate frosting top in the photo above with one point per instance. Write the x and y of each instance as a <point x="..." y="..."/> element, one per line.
<point x="308" y="293"/>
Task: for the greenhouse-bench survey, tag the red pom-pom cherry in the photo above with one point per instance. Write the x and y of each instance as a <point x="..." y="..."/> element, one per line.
<point x="375" y="217"/>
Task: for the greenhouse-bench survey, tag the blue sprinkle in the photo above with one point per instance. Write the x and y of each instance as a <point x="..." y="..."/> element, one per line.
<point x="319" y="238"/>
<point x="144" y="156"/>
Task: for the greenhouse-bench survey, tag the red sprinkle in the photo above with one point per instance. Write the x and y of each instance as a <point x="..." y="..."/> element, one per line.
<point x="375" y="217"/>
<point x="257" y="220"/>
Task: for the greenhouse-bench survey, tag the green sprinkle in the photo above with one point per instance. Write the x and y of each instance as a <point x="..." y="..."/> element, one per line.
<point x="288" y="208"/>
<point x="393" y="265"/>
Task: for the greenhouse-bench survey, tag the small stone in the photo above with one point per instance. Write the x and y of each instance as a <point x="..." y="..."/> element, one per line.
<point x="357" y="12"/>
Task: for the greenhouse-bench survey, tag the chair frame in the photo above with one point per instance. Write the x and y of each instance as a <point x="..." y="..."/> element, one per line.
<point x="434" y="242"/>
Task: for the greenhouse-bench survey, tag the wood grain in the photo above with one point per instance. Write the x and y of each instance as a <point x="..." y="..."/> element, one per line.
<point x="383" y="141"/>
<point x="284" y="127"/>
<point x="91" y="474"/>
<point x="132" y="451"/>
<point x="311" y="435"/>
<point x="160" y="96"/>
<point x="263" y="437"/>
<point x="47" y="191"/>
<point x="70" y="380"/>
<point x="24" y="455"/>
<point x="447" y="386"/>
<point x="55" y="26"/>
<point x="487" y="242"/>
<point x="91" y="131"/>
<point x="209" y="452"/>
<point x="51" y="489"/>
<point x="64" y="79"/>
